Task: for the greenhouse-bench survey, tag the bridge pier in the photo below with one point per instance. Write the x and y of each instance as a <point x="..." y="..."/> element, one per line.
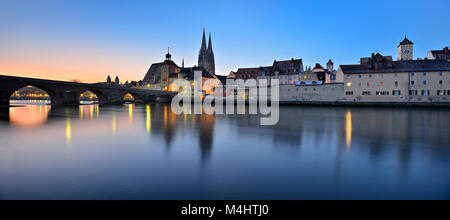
<point x="4" y="98"/>
<point x="66" y="98"/>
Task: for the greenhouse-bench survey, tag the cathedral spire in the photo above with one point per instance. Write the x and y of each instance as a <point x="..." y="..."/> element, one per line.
<point x="204" y="41"/>
<point x="210" y="43"/>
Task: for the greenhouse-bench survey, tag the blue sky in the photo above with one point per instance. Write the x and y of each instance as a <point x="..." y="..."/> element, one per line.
<point x="86" y="40"/>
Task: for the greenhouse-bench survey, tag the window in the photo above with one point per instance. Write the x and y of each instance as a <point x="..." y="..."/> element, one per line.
<point x="441" y="82"/>
<point x="370" y="75"/>
<point x="440" y="74"/>
<point x="365" y="93"/>
<point x="425" y="74"/>
<point x="349" y="93"/>
<point x="413" y="82"/>
<point x="382" y="93"/>
<point x="396" y="84"/>
<point x="396" y="75"/>
<point x="448" y="92"/>
<point x="360" y="76"/>
<point x="359" y="84"/>
<point x="413" y="92"/>
<point x="349" y="84"/>
<point x="441" y="92"/>
<point x="368" y="84"/>
<point x="425" y="82"/>
<point x="381" y="83"/>
<point x="413" y="74"/>
<point x="396" y="93"/>
<point x="426" y="92"/>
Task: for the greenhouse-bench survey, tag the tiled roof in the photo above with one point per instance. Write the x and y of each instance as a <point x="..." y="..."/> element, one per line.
<point x="398" y="66"/>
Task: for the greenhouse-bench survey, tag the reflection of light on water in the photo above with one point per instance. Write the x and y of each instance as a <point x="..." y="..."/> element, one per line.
<point x="165" y="116"/>
<point x="68" y="130"/>
<point x="29" y="115"/>
<point x="348" y="129"/>
<point x="149" y="118"/>
<point x="91" y="112"/>
<point x="114" y="123"/>
<point x="81" y="112"/>
<point x="130" y="113"/>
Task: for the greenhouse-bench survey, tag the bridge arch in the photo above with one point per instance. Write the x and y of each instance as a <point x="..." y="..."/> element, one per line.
<point x="136" y="97"/>
<point x="36" y="92"/>
<point x="101" y="97"/>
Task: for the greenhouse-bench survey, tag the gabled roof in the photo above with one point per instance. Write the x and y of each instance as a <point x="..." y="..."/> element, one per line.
<point x="251" y="71"/>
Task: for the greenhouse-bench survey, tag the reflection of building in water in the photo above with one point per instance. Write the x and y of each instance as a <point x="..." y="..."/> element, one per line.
<point x="160" y="120"/>
<point x="29" y="116"/>
<point x="398" y="127"/>
<point x="206" y="133"/>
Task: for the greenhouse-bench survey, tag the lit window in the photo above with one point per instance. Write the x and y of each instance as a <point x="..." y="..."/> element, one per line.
<point x="381" y="83"/>
<point x="349" y="84"/>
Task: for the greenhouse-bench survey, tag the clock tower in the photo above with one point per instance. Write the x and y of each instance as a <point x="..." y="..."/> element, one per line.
<point x="405" y="50"/>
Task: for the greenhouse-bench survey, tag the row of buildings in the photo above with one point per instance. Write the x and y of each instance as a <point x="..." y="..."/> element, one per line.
<point x="376" y="78"/>
<point x="381" y="79"/>
<point x="290" y="72"/>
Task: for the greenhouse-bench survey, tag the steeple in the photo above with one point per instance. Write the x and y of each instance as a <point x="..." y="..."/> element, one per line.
<point x="182" y="65"/>
<point x="203" y="48"/>
<point x="168" y="55"/>
<point x="210" y="43"/>
<point x="206" y="55"/>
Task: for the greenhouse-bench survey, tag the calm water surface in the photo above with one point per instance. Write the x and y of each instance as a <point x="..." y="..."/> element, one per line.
<point x="147" y="152"/>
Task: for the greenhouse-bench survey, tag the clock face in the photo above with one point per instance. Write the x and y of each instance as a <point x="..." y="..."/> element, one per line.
<point x="406" y="51"/>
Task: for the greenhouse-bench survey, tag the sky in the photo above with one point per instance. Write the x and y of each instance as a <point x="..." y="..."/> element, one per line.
<point x="86" y="40"/>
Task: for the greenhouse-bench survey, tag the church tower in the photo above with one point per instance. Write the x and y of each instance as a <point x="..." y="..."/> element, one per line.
<point x="206" y="55"/>
<point x="405" y="50"/>
<point x="210" y="55"/>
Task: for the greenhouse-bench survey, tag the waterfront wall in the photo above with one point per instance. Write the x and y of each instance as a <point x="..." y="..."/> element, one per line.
<point x="312" y="93"/>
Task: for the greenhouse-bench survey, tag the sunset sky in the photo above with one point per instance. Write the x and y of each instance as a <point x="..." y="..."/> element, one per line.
<point x="87" y="39"/>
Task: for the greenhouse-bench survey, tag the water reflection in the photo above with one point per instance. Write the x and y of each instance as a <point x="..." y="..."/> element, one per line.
<point x="89" y="112"/>
<point x="348" y="129"/>
<point x="148" y="119"/>
<point x="395" y="153"/>
<point x="68" y="129"/>
<point x="29" y="114"/>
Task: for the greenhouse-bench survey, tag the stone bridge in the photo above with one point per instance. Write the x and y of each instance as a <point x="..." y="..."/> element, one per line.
<point x="68" y="93"/>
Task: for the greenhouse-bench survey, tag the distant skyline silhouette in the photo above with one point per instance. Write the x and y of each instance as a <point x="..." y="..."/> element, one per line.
<point x="87" y="40"/>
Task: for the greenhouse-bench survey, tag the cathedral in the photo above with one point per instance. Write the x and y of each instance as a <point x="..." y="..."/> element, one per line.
<point x="206" y="56"/>
<point x="160" y="75"/>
